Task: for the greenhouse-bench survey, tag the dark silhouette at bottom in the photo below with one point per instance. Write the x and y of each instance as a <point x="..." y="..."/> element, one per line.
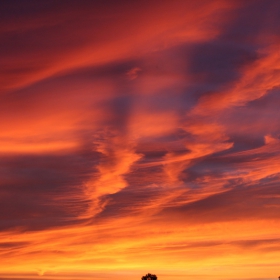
<point x="150" y="276"/>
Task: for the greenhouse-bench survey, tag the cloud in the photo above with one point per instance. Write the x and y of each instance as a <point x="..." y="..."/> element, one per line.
<point x="33" y="48"/>
<point x="133" y="73"/>
<point x="139" y="135"/>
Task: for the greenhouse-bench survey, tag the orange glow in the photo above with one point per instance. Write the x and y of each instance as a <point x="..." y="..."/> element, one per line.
<point x="139" y="136"/>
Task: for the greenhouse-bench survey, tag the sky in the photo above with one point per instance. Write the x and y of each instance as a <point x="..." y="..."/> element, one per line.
<point x="139" y="136"/>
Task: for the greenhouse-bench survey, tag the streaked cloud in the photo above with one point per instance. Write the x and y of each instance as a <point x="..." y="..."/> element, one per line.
<point x="139" y="137"/>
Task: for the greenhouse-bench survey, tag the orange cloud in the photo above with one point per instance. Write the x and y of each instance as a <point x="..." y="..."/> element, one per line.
<point x="130" y="30"/>
<point x="139" y="137"/>
<point x="255" y="83"/>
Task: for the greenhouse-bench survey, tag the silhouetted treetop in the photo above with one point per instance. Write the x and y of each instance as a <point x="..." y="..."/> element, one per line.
<point x="149" y="276"/>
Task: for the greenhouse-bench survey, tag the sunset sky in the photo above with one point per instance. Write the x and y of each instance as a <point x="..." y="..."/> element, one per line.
<point x="139" y="136"/>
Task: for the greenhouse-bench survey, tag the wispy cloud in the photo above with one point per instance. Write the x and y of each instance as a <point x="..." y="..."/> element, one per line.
<point x="139" y="137"/>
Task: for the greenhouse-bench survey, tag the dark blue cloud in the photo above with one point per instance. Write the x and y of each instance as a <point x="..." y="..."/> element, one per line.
<point x="251" y="21"/>
<point x="44" y="191"/>
<point x="219" y="62"/>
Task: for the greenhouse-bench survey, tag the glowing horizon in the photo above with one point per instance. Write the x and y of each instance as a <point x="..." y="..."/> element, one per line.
<point x="140" y="136"/>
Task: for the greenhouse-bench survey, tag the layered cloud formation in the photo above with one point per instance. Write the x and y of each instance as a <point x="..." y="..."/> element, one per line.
<point x="139" y="136"/>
